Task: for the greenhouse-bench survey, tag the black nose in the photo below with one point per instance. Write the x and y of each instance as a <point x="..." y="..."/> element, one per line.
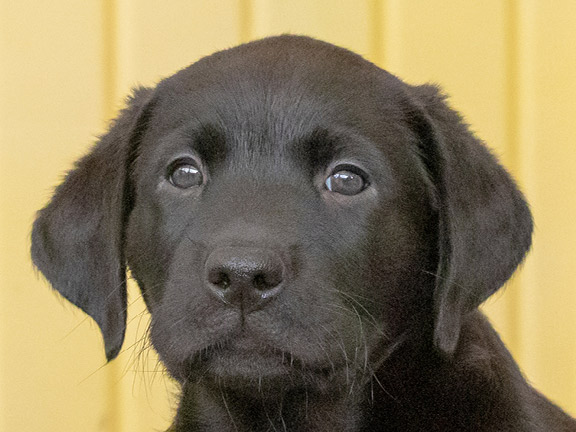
<point x="244" y="277"/>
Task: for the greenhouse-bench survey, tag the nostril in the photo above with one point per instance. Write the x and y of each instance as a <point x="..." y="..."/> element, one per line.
<point x="265" y="281"/>
<point x="259" y="282"/>
<point x="219" y="278"/>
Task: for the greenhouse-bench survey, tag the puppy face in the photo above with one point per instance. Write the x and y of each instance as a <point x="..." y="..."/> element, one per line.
<point x="276" y="232"/>
<point x="291" y="213"/>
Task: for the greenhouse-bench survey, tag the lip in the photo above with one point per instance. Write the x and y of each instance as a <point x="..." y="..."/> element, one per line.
<point x="241" y="361"/>
<point x="246" y="361"/>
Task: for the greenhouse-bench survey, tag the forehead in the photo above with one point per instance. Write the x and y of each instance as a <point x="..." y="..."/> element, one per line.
<point x="267" y="96"/>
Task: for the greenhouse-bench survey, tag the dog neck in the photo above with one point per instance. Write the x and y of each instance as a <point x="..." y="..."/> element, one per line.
<point x="216" y="408"/>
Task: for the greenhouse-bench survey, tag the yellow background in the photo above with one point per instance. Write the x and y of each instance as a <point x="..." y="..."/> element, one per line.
<point x="65" y="66"/>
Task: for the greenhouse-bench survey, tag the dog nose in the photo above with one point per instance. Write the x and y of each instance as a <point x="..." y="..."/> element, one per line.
<point x="245" y="277"/>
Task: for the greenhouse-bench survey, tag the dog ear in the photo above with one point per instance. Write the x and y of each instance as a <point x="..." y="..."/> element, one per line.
<point x="485" y="225"/>
<point x="77" y="238"/>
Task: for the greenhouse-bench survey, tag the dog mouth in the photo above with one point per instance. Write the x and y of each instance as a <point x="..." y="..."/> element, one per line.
<point x="245" y="360"/>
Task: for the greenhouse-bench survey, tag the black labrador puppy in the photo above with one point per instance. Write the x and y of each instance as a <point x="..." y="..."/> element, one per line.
<point x="312" y="237"/>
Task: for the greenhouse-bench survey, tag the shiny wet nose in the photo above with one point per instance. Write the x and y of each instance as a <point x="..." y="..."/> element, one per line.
<point x="243" y="277"/>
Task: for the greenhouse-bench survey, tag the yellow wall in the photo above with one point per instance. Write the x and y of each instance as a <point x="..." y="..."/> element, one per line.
<point x="66" y="64"/>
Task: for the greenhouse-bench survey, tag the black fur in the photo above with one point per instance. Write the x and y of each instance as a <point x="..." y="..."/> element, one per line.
<point x="277" y="303"/>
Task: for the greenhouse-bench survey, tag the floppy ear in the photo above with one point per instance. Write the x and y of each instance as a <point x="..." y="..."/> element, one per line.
<point x="77" y="238"/>
<point x="485" y="225"/>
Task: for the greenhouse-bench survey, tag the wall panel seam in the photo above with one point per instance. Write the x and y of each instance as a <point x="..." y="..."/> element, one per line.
<point x="109" y="73"/>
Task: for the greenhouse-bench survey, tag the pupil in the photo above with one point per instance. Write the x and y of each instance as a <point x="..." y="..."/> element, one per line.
<point x="345" y="182"/>
<point x="186" y="176"/>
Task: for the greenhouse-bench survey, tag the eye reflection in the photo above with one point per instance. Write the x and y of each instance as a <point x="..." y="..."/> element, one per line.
<point x="185" y="175"/>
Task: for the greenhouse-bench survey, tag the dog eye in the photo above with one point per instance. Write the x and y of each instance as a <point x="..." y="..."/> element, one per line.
<point x="346" y="180"/>
<point x="185" y="175"/>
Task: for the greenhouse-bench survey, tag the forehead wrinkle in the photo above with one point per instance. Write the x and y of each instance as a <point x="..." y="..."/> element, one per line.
<point x="255" y="123"/>
<point x="269" y="123"/>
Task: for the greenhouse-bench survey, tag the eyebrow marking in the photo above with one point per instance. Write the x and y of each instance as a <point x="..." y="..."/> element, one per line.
<point x="317" y="149"/>
<point x="209" y="142"/>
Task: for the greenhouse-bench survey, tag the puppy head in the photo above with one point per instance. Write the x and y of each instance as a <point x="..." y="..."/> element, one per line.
<point x="288" y="210"/>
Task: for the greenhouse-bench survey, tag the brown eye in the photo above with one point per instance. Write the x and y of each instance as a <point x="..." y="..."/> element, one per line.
<point x="347" y="180"/>
<point x="185" y="175"/>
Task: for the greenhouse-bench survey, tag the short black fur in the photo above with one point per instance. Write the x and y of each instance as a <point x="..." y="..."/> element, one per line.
<point x="276" y="303"/>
